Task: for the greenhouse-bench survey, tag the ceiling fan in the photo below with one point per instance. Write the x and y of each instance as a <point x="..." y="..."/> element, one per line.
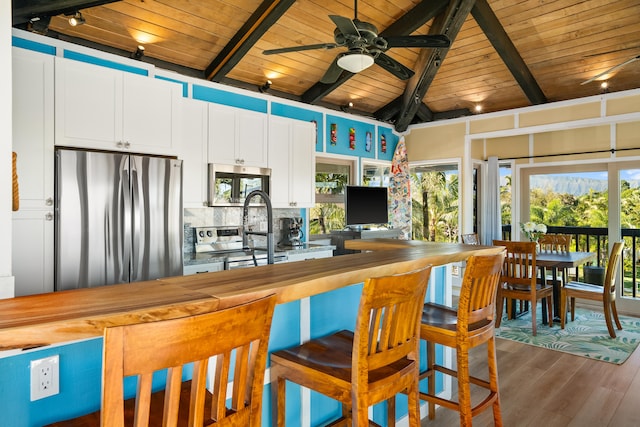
<point x="628" y="61"/>
<point x="365" y="47"/>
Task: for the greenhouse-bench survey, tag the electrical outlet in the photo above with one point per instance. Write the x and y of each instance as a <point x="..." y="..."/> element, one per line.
<point x="45" y="377"/>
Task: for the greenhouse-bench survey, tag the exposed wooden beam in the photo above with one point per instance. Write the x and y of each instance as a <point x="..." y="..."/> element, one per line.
<point x="260" y="21"/>
<point x="448" y="23"/>
<point x="24" y="10"/>
<point x="421" y="13"/>
<point x="489" y="23"/>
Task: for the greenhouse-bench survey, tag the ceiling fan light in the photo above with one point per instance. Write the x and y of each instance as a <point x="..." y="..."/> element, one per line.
<point x="355" y="62"/>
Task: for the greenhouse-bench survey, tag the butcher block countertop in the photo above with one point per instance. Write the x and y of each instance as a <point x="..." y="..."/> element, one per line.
<point x="56" y="317"/>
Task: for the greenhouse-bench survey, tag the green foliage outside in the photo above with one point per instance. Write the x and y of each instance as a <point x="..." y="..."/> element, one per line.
<point x="434" y="198"/>
<point x="327" y="216"/>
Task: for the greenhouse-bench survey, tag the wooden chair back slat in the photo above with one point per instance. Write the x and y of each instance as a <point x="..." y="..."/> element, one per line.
<point x="478" y="292"/>
<point x="388" y="324"/>
<point x="143" y="348"/>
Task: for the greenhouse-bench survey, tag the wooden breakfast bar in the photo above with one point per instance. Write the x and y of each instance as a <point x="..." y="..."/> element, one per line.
<point x="312" y="296"/>
<point x="37" y="320"/>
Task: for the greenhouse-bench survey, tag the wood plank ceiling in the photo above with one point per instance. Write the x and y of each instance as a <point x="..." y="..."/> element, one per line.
<point x="504" y="53"/>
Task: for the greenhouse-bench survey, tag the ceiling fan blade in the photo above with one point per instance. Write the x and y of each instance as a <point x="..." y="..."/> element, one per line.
<point x="333" y="72"/>
<point x="345" y="25"/>
<point x="325" y="46"/>
<point x="393" y="66"/>
<point x="628" y="61"/>
<point x="436" y="40"/>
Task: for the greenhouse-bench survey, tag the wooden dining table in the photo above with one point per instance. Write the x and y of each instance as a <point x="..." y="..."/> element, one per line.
<point x="561" y="261"/>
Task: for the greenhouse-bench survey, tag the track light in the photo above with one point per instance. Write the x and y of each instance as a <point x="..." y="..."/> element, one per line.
<point x="265" y="87"/>
<point x="346" y="108"/>
<point x="139" y="53"/>
<point x="76" y="19"/>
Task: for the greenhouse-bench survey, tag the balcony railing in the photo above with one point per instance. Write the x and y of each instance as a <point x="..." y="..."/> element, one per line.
<point x="593" y="239"/>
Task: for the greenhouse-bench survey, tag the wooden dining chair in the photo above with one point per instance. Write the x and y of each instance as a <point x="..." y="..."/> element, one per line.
<point x="555" y="242"/>
<point x="606" y="293"/>
<point x="471" y="325"/>
<point x="370" y="365"/>
<point x="237" y="337"/>
<point x="519" y="281"/>
<point x="470" y="239"/>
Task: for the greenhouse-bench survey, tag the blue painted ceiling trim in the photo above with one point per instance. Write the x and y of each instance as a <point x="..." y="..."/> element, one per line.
<point x="69" y="54"/>
<point x="230" y="99"/>
<point x="31" y="45"/>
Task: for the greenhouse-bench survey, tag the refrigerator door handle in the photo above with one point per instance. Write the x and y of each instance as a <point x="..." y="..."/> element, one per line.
<point x="124" y="212"/>
<point x="137" y="220"/>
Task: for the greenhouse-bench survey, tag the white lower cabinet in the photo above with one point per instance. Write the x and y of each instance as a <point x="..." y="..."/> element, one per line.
<point x="292" y="163"/>
<point x="292" y="257"/>
<point x="202" y="268"/>
<point x="32" y="251"/>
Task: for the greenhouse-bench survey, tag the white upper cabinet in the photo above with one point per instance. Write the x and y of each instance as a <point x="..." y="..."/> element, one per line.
<point x="237" y="137"/>
<point x="33" y="127"/>
<point x="292" y="163"/>
<point x="98" y="107"/>
<point x="193" y="152"/>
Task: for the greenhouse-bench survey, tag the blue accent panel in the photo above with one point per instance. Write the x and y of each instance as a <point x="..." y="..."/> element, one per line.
<point x="334" y="311"/>
<point x="291" y="112"/>
<point x="31" y="45"/>
<point x="285" y="326"/>
<point x="323" y="409"/>
<point x="439" y="282"/>
<point x="69" y="54"/>
<point x="80" y="377"/>
<point x="391" y="143"/>
<point x="342" y="145"/>
<point x="185" y="86"/>
<point x="231" y="99"/>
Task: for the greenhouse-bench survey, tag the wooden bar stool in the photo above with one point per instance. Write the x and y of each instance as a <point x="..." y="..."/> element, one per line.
<point x="143" y="348"/>
<point x="471" y="325"/>
<point x="370" y="365"/>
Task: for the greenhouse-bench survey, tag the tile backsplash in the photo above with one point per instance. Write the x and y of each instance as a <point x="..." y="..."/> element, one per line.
<point x="219" y="216"/>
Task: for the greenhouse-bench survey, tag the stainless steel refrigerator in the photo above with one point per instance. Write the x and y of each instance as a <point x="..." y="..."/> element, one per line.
<point x="118" y="218"/>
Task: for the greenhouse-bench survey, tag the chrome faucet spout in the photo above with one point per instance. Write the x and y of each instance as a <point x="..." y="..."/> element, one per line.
<point x="245" y="221"/>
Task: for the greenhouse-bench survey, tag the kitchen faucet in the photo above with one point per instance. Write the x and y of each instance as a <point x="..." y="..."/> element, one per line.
<point x="268" y="234"/>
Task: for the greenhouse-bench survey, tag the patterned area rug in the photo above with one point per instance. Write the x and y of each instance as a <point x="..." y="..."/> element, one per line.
<point x="587" y="336"/>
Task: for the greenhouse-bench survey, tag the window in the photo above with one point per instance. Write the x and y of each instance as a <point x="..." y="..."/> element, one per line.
<point x="435" y="202"/>
<point x="332" y="176"/>
<point x="376" y="174"/>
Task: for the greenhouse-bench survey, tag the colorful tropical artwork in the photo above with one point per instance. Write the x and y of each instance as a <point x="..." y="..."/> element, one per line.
<point x="367" y="145"/>
<point x="383" y="143"/>
<point x="352" y="139"/>
<point x="334" y="134"/>
<point x="400" y="190"/>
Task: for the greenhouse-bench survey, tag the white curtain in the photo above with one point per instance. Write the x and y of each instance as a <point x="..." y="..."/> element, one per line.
<point x="491" y="223"/>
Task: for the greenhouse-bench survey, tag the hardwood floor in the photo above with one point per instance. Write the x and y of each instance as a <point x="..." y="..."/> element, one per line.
<point x="540" y="387"/>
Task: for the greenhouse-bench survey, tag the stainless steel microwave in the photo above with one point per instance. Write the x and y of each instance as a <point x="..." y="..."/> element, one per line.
<point x="230" y="184"/>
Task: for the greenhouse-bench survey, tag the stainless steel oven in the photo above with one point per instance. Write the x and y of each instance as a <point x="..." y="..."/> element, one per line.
<point x="225" y="242"/>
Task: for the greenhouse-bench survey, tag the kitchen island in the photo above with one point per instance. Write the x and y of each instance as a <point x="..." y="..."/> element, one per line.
<point x="315" y="297"/>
